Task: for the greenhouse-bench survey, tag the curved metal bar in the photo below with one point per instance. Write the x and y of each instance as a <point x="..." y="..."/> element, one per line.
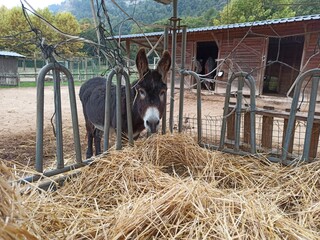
<point x="119" y="72"/>
<point x="107" y="113"/>
<point x="199" y="117"/>
<point x="241" y="76"/>
<point x="293" y="111"/>
<point x="40" y="114"/>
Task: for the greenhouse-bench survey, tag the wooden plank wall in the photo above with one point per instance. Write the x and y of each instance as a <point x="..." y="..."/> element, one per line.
<point x="247" y="55"/>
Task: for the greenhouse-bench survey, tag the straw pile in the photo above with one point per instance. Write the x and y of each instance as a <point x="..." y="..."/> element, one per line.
<point x="166" y="187"/>
<point x="11" y="210"/>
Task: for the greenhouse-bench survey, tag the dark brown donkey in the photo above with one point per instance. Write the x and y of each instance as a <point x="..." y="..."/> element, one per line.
<point x="147" y="95"/>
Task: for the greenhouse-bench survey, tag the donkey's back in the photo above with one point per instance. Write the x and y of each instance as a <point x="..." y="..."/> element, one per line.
<point x="92" y="95"/>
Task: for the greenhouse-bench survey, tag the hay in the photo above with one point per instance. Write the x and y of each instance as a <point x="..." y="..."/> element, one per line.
<point x="166" y="187"/>
<point x="11" y="210"/>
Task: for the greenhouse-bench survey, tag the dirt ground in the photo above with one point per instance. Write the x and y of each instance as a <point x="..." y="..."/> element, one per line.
<point x="18" y="120"/>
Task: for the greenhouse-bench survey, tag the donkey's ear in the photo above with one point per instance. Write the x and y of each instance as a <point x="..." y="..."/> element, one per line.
<point x="142" y="62"/>
<point x="164" y="64"/>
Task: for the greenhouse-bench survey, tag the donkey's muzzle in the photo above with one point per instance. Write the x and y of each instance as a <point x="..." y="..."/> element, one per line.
<point x="153" y="125"/>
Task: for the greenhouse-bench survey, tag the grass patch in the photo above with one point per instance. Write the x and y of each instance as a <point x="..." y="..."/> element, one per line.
<point x="33" y="84"/>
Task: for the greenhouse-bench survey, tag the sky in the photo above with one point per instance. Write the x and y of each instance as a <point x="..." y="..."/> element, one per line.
<point x="34" y="3"/>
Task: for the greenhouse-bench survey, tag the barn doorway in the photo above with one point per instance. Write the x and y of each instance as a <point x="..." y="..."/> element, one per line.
<point x="206" y="55"/>
<point x="283" y="64"/>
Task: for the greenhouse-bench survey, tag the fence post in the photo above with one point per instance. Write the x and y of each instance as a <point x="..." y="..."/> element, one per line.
<point x="35" y="68"/>
<point x="231" y="121"/>
<point x="267" y="129"/>
<point x="315" y="138"/>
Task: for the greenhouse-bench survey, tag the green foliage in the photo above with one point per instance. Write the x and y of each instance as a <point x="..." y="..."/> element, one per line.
<point x="146" y="13"/>
<point x="238" y="11"/>
<point x="16" y="33"/>
<point x="74" y="17"/>
<point x="306" y="7"/>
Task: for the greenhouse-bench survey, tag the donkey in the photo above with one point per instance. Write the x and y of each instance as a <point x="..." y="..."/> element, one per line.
<point x="147" y="96"/>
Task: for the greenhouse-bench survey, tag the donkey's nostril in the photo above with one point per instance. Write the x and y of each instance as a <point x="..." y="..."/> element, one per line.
<point x="152" y="125"/>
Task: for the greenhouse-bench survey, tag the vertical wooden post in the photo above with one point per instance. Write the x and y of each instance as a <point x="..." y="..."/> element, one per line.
<point x="314" y="139"/>
<point x="267" y="129"/>
<point x="79" y="69"/>
<point x="285" y="125"/>
<point x="35" y="67"/>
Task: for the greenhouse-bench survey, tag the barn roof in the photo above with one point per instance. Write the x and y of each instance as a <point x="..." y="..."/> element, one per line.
<point x="10" y="54"/>
<point x="232" y="26"/>
<point x="164" y="1"/>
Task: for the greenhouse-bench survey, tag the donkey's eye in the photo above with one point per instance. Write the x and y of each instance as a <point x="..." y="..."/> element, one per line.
<point x="142" y="93"/>
<point x="162" y="92"/>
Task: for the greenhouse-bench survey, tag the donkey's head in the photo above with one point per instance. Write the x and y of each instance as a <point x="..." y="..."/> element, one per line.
<point x="151" y="89"/>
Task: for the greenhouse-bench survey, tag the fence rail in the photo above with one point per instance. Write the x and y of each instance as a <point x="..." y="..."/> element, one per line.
<point x="80" y="68"/>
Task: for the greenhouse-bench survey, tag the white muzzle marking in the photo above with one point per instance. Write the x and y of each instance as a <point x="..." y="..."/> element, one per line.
<point x="152" y="119"/>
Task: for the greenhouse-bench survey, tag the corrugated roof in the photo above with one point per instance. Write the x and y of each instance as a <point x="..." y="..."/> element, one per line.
<point x="10" y="54"/>
<point x="232" y="26"/>
<point x="164" y="1"/>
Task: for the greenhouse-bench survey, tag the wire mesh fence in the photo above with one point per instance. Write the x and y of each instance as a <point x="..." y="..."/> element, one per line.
<point x="270" y="144"/>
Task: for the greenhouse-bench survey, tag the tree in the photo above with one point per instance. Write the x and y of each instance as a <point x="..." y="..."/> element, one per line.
<point x="306" y="7"/>
<point x="68" y="24"/>
<point x="238" y="11"/>
<point x="17" y="34"/>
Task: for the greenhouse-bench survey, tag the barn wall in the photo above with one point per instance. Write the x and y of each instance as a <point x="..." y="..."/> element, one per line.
<point x="246" y="49"/>
<point x="9" y="71"/>
<point x="241" y="54"/>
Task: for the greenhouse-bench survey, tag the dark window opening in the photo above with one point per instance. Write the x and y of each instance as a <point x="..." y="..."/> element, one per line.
<point x="283" y="64"/>
<point x="207" y="53"/>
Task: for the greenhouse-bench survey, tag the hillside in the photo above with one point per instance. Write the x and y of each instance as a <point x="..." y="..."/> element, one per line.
<point x="144" y="11"/>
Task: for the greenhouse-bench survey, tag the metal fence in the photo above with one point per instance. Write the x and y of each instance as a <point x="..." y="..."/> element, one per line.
<point x="81" y="68"/>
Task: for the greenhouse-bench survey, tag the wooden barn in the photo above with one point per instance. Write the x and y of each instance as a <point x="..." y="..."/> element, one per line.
<point x="9" y="68"/>
<point x="273" y="51"/>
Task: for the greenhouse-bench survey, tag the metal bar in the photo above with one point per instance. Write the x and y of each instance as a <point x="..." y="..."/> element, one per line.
<point x="252" y="87"/>
<point x="225" y="112"/>
<point x="74" y="116"/>
<point x="128" y="107"/>
<point x="58" y="117"/>
<point x="118" y="109"/>
<point x="293" y="111"/>
<point x="199" y="114"/>
<point x="164" y="116"/>
<point x="244" y="76"/>
<point x="238" y="113"/>
<point x="107" y="114"/>
<point x="55" y="172"/>
<point x="40" y="109"/>
<point x="173" y="55"/>
<point x="40" y="114"/>
<point x="311" y="112"/>
<point x="183" y="61"/>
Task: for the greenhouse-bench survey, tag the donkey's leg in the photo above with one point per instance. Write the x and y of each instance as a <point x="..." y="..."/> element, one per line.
<point x="97" y="141"/>
<point x="90" y="136"/>
<point x="89" y="152"/>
